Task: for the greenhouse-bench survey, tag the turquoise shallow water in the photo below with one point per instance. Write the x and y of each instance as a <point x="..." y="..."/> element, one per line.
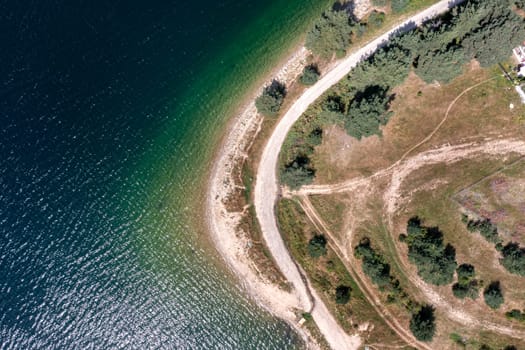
<point x="109" y="115"/>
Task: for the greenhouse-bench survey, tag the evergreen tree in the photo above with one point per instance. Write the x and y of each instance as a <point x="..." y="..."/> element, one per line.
<point x="493" y="295"/>
<point x="423" y="324"/>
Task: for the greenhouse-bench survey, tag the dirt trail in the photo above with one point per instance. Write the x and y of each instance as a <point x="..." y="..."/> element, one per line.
<point x="447" y="154"/>
<point x="398" y="173"/>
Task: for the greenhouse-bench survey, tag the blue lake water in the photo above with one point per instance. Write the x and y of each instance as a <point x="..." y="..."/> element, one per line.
<point x="110" y="112"/>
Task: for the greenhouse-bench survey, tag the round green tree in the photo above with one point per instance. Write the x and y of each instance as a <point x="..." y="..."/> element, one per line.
<point x="317" y="246"/>
<point x="423" y="323"/>
<point x="342" y="294"/>
<point x="493" y="295"/>
<point x="310" y="75"/>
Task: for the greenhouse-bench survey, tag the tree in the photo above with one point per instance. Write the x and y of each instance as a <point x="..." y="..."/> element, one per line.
<point x="342" y="294"/>
<point x="423" y="324"/>
<point x="513" y="258"/>
<point x="270" y="101"/>
<point x="317" y="246"/>
<point x="330" y="33"/>
<point x="440" y="66"/>
<point x="493" y="295"/>
<point x="467" y="286"/>
<point x="501" y="31"/>
<point x="298" y="173"/>
<point x="367" y="112"/>
<point x="374" y="265"/>
<point x="310" y="75"/>
<point x="435" y="261"/>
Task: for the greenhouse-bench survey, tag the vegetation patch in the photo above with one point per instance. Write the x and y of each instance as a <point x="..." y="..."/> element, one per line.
<point x="331" y="33"/>
<point x="434" y="260"/>
<point x="329" y="276"/>
<point x="466" y="286"/>
<point x="493" y="295"/>
<point x="310" y="75"/>
<point x="423" y="323"/>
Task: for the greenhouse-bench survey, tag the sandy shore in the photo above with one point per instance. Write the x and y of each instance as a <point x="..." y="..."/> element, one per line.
<point x="231" y="243"/>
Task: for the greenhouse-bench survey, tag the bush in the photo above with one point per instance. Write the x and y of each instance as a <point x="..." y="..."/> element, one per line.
<point x="516" y="314"/>
<point x="298" y="173"/>
<point x="342" y="294"/>
<point x="270" y="101"/>
<point x="379" y="3"/>
<point x="513" y="258"/>
<point x="423" y="324"/>
<point x="467" y="286"/>
<point x="435" y="261"/>
<point x="493" y="295"/>
<point x="486" y="228"/>
<point x="330" y="33"/>
<point x="376" y="19"/>
<point x="317" y="246"/>
<point x="310" y="75"/>
<point x="399" y="5"/>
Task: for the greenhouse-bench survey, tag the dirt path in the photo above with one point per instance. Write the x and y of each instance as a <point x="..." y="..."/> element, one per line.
<point x="392" y="196"/>
<point x="267" y="190"/>
<point x="363" y="284"/>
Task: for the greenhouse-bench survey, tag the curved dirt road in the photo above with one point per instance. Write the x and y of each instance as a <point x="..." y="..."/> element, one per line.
<point x="267" y="189"/>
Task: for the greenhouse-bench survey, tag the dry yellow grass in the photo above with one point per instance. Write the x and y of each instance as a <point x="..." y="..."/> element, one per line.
<point x="480" y="114"/>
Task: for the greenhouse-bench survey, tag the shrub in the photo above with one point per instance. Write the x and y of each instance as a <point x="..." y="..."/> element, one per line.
<point x="493" y="295"/>
<point x="434" y="260"/>
<point x="513" y="258"/>
<point x="376" y="19"/>
<point x="516" y="315"/>
<point x="330" y="33"/>
<point x="317" y="246"/>
<point x="298" y="173"/>
<point x="342" y="294"/>
<point x="379" y="3"/>
<point x="310" y="75"/>
<point x="270" y="101"/>
<point x="423" y="324"/>
<point x="399" y="5"/>
<point x="486" y="228"/>
<point x="307" y="316"/>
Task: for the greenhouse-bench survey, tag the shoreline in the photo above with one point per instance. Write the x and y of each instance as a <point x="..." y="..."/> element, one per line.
<point x="232" y="245"/>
